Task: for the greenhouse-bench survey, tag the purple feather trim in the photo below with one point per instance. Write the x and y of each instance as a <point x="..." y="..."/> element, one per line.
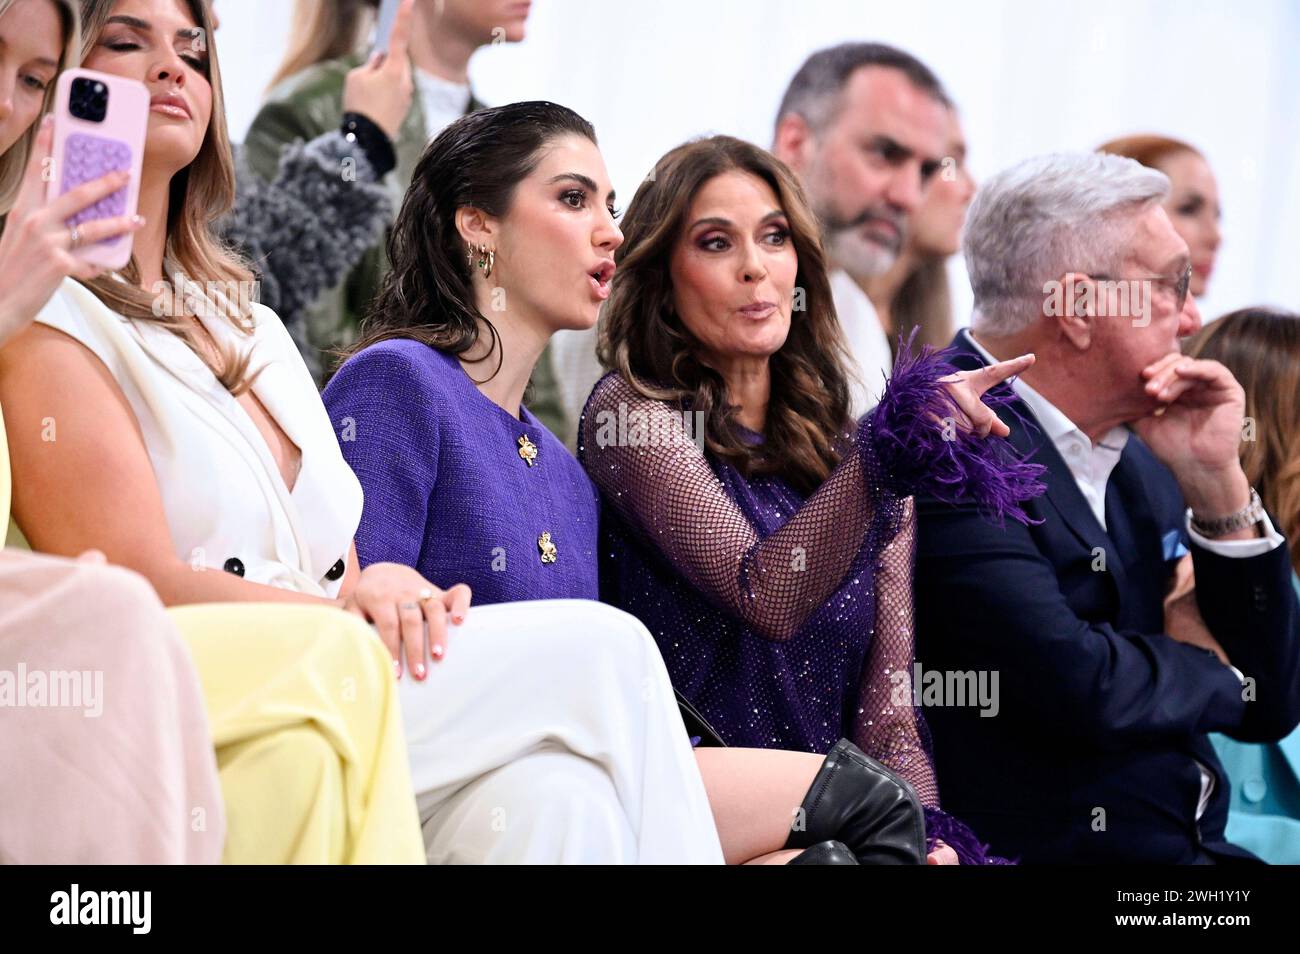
<point x="940" y="826"/>
<point x="908" y="429"/>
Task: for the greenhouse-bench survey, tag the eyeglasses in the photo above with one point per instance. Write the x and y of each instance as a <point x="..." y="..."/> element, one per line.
<point x="1178" y="286"/>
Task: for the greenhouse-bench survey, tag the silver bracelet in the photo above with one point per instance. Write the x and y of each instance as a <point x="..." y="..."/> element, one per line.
<point x="1247" y="516"/>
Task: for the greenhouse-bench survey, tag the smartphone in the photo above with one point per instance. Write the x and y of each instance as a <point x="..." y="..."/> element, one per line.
<point x="384" y="25"/>
<point x="99" y="126"/>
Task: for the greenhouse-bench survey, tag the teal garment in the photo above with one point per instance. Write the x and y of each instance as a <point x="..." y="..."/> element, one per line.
<point x="1264" y="814"/>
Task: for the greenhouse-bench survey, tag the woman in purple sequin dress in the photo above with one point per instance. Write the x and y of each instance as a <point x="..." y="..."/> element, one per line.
<point x="762" y="536"/>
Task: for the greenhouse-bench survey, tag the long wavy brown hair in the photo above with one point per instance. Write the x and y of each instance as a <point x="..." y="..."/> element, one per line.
<point x="201" y="194"/>
<point x="642" y="337"/>
<point x="1261" y="347"/>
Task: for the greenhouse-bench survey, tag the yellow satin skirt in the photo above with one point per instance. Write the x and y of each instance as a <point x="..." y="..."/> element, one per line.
<point x="304" y="715"/>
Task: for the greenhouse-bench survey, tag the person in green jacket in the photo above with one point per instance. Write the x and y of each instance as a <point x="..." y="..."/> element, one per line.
<point x="306" y="100"/>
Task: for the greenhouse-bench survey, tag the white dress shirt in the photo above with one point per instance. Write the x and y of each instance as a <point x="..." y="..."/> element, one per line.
<point x="867" y="342"/>
<point x="441" y="101"/>
<point x="1092" y="464"/>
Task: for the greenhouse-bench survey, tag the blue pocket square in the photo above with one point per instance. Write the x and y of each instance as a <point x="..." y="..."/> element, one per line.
<point x="1172" y="543"/>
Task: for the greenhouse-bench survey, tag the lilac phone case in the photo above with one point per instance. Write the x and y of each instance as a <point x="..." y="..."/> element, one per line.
<point x="384" y="24"/>
<point x="84" y="151"/>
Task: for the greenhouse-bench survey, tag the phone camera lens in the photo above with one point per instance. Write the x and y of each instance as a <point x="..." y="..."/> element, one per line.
<point x="88" y="100"/>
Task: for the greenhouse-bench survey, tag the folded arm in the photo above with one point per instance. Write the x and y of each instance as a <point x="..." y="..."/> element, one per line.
<point x="989" y="600"/>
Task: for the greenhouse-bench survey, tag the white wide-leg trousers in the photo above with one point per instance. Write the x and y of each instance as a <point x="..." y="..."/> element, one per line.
<point x="550" y="734"/>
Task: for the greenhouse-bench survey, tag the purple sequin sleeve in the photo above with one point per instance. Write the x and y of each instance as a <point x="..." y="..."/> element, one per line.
<point x="659" y="480"/>
<point x="641" y="453"/>
<point x="888" y="727"/>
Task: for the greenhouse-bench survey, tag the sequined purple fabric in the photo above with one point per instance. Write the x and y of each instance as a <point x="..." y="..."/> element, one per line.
<point x="787" y="621"/>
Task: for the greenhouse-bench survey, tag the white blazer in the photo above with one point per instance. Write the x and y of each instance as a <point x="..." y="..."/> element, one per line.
<point x="226" y="504"/>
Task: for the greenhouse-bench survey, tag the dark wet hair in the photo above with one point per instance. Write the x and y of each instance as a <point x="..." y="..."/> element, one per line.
<point x="476" y="162"/>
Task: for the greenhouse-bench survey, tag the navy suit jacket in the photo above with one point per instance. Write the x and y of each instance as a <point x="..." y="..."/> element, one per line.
<point x="1092" y="754"/>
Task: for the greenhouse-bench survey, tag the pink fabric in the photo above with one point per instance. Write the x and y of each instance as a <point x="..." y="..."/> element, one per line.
<point x="123" y="770"/>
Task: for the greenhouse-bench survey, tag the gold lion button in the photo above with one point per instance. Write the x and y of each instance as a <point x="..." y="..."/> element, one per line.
<point x="544" y="544"/>
<point x="527" y="450"/>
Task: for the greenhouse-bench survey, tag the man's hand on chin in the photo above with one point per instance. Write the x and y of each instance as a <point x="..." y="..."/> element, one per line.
<point x="1195" y="431"/>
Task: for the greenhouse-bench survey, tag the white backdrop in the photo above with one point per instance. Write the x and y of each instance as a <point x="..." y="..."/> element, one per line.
<point x="1029" y="76"/>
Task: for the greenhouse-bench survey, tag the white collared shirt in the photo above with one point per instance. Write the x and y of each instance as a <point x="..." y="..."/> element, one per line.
<point x="867" y="342"/>
<point x="1092" y="464"/>
<point x="441" y="101"/>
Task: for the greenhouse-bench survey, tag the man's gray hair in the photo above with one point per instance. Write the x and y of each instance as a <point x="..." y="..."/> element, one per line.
<point x="1044" y="217"/>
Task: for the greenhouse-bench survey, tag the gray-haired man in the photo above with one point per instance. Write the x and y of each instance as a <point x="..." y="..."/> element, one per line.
<point x="865" y="125"/>
<point x="1109" y="686"/>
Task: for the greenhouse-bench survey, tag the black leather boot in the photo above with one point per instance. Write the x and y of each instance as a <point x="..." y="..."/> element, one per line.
<point x="856" y="800"/>
<point x="825" y="853"/>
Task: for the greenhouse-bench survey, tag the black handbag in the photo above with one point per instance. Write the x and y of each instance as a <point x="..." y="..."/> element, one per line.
<point x="697" y="725"/>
